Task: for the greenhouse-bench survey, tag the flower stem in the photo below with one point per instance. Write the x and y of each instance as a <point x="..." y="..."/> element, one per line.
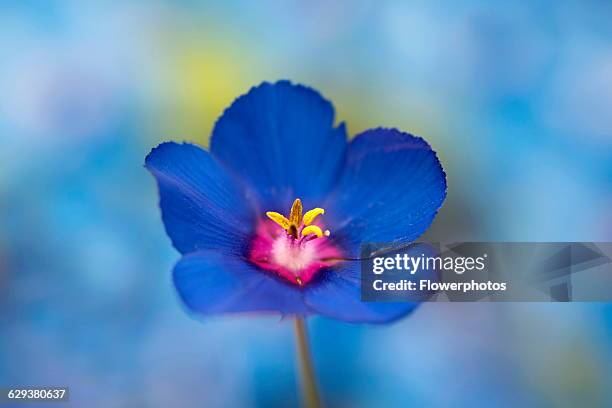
<point x="309" y="384"/>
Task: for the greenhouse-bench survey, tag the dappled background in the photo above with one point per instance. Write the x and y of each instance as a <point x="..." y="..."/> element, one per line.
<point x="514" y="97"/>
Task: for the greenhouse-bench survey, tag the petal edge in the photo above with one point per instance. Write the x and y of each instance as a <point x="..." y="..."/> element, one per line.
<point x="202" y="205"/>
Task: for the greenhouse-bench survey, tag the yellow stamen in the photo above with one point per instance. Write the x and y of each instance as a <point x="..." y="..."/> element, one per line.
<point x="279" y="219"/>
<point x="297" y="220"/>
<point x="310" y="216"/>
<point x="295" y="216"/>
<point x="312" y="229"/>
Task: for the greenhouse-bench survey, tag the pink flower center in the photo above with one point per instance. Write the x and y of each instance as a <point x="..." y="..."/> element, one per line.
<point x="293" y="248"/>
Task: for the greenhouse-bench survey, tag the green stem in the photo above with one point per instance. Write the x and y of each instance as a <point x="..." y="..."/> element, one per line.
<point x="309" y="383"/>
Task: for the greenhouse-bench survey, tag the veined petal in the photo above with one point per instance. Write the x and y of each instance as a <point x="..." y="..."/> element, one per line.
<point x="202" y="206"/>
<point x="338" y="295"/>
<point x="281" y="138"/>
<point x="213" y="282"/>
<point x="390" y="190"/>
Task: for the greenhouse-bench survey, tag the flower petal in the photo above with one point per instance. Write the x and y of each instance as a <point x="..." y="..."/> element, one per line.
<point x="280" y="137"/>
<point x="390" y="190"/>
<point x="212" y="282"/>
<point x="202" y="206"/>
<point x="338" y="295"/>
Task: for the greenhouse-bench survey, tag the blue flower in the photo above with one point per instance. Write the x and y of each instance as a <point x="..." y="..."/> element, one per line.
<point x="237" y="213"/>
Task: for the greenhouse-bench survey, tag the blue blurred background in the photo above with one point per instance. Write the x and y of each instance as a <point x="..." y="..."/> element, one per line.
<point x="516" y="98"/>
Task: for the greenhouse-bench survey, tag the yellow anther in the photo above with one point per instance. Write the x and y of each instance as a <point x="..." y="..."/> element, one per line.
<point x="279" y="219"/>
<point x="297" y="220"/>
<point x="312" y="214"/>
<point x="312" y="229"/>
<point x="295" y="216"/>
